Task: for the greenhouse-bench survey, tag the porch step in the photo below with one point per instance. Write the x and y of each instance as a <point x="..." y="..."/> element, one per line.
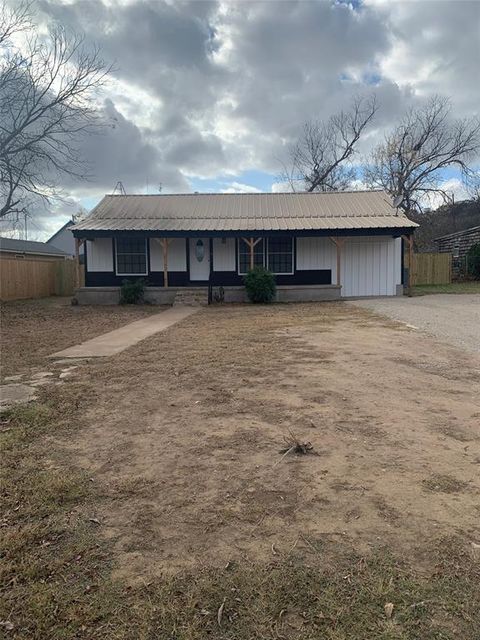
<point x="191" y="296"/>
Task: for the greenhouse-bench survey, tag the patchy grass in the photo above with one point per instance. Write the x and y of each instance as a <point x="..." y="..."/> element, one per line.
<point x="62" y="566"/>
<point x="33" y="329"/>
<point x="454" y="287"/>
<point x="56" y="571"/>
<point x="444" y="483"/>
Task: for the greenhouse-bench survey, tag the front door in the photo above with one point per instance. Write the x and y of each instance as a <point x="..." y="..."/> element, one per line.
<point x="199" y="258"/>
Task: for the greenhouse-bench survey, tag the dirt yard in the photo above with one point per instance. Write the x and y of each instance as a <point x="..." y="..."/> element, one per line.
<point x="30" y="330"/>
<point x="180" y="439"/>
<point x="184" y="435"/>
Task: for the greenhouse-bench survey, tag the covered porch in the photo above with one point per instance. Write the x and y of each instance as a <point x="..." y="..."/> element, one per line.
<point x="306" y="267"/>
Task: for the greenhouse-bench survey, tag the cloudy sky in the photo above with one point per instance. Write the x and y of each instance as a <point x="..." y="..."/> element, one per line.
<point x="208" y="96"/>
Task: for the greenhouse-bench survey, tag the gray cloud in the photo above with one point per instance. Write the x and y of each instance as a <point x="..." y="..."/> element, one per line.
<point x="212" y="88"/>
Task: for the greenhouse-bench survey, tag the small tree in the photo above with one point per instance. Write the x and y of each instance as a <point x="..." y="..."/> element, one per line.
<point x="260" y="285"/>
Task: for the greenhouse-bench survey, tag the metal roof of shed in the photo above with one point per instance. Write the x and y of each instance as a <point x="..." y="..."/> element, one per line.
<point x="245" y="212"/>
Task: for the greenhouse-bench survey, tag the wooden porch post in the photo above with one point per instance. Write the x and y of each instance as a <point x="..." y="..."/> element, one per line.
<point x="252" y="243"/>
<point x="165" y="242"/>
<point x="338" y="242"/>
<point x="409" y="240"/>
<point x="78" y="244"/>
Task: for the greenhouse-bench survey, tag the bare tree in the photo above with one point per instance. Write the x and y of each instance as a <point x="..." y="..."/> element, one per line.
<point x="472" y="185"/>
<point x="47" y="89"/>
<point x="427" y="140"/>
<point x="320" y="161"/>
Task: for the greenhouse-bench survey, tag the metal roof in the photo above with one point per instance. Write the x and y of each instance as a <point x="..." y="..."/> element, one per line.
<point x="29" y="246"/>
<point x="245" y="212"/>
<point x="458" y="233"/>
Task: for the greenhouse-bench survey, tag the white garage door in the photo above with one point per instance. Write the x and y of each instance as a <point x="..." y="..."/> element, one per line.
<point x="371" y="266"/>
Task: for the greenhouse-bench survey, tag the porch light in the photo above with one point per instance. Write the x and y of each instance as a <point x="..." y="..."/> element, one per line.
<point x="200" y="250"/>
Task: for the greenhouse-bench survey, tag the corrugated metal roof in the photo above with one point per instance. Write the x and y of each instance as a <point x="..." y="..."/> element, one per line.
<point x="29" y="246"/>
<point x="458" y="233"/>
<point x="245" y="212"/>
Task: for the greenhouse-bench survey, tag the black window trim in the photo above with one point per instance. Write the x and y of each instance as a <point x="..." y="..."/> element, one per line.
<point x="282" y="273"/>
<point x="145" y="273"/>
<point x="265" y="252"/>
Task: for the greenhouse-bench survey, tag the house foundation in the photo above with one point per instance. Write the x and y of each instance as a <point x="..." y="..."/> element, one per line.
<point x="166" y="296"/>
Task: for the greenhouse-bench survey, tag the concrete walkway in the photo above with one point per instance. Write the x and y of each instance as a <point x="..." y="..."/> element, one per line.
<point x="113" y="342"/>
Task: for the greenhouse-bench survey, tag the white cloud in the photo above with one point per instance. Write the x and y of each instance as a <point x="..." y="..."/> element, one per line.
<point x="454" y="189"/>
<point x="239" y="187"/>
<point x="206" y="89"/>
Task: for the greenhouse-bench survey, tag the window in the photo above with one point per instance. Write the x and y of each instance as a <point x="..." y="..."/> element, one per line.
<point x="456" y="251"/>
<point x="274" y="253"/>
<point x="280" y="255"/>
<point x="131" y="256"/>
<point x="244" y="255"/>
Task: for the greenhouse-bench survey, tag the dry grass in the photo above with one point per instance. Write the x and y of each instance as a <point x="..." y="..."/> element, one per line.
<point x="57" y="583"/>
<point x="33" y="329"/>
<point x="218" y="411"/>
<point x="444" y="483"/>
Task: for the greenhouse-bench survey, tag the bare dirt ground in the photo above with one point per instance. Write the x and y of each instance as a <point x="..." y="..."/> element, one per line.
<point x="452" y="318"/>
<point x="30" y="330"/>
<point x="181" y="437"/>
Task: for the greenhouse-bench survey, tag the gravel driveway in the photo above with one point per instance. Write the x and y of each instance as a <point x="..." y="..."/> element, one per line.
<point x="452" y="318"/>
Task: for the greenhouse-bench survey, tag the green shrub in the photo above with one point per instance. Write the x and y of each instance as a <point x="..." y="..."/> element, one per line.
<point x="260" y="285"/>
<point x="473" y="260"/>
<point x="132" y="292"/>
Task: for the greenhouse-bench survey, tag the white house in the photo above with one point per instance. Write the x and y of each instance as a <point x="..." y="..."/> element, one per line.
<point x="63" y="239"/>
<point x="318" y="245"/>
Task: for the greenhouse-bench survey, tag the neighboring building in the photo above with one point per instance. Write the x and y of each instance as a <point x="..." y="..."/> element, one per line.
<point x="319" y="245"/>
<point x="21" y="249"/>
<point x="458" y="244"/>
<point x="63" y="239"/>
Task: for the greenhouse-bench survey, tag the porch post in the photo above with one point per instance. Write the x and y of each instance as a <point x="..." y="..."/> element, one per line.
<point x="409" y="240"/>
<point x="78" y="244"/>
<point x="252" y="243"/>
<point x="165" y="243"/>
<point x="338" y="242"/>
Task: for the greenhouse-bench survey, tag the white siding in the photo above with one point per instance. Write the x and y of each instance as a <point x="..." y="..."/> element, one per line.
<point x="371" y="266"/>
<point x="99" y="254"/>
<point x="397" y="266"/>
<point x="316" y="253"/>
<point x="224" y="254"/>
<point x="177" y="255"/>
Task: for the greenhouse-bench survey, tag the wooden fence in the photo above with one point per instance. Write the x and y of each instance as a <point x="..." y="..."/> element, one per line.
<point x="35" y="278"/>
<point x="432" y="268"/>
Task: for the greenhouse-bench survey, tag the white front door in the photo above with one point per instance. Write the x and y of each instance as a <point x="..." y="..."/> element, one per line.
<point x="199" y="258"/>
